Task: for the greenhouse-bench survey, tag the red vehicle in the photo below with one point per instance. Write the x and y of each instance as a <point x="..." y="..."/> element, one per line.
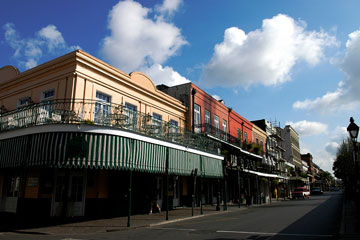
<point x="300" y="192"/>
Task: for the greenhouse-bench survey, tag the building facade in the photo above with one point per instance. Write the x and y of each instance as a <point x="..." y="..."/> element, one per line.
<point x="292" y="155"/>
<point x="79" y="137"/>
<point x="246" y="180"/>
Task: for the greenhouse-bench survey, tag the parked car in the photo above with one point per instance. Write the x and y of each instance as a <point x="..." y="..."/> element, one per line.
<point x="316" y="191"/>
<point x="300" y="192"/>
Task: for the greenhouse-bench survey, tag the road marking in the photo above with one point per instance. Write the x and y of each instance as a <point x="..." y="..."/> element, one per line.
<point x="178" y="229"/>
<point x="278" y="234"/>
<point x="72" y="239"/>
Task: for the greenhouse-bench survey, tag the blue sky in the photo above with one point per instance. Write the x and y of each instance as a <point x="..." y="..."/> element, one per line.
<point x="293" y="61"/>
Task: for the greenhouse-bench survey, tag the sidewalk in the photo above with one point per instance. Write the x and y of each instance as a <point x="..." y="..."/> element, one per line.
<point x="350" y="221"/>
<point x="117" y="223"/>
<point x="81" y="226"/>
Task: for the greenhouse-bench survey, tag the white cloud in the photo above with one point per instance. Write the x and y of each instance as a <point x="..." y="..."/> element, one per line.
<point x="52" y="37"/>
<point x="138" y="40"/>
<point x="306" y="128"/>
<point x="338" y="135"/>
<point x="264" y="56"/>
<point x="217" y="97"/>
<point x="164" y="75"/>
<point x="168" y="7"/>
<point x="321" y="156"/>
<point x="324" y="159"/>
<point x="29" y="51"/>
<point x="332" y="147"/>
<point x="346" y="96"/>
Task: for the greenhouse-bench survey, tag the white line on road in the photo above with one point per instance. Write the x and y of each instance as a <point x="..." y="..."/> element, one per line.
<point x="279" y="234"/>
<point x="178" y="229"/>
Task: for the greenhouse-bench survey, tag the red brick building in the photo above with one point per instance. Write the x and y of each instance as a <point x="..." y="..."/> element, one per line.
<point x="240" y="127"/>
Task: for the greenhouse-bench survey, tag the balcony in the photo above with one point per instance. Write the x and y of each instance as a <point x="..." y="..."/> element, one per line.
<point x="208" y="129"/>
<point x="100" y="113"/>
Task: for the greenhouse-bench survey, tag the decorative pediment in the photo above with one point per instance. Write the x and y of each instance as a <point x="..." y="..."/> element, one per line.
<point x="7" y="73"/>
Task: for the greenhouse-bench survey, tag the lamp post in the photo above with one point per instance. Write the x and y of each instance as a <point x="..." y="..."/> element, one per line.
<point x="353" y="130"/>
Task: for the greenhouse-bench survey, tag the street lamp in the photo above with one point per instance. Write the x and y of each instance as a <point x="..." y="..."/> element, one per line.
<point x="353" y="130"/>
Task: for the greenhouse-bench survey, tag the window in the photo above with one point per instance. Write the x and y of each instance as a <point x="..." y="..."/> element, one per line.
<point x="216" y="125"/>
<point x="245" y="137"/>
<point x="157" y="118"/>
<point x="24" y="117"/>
<point x="197" y="118"/>
<point x="207" y="121"/>
<point x="48" y="94"/>
<point x="224" y="127"/>
<point x="174" y="126"/>
<point x="102" y="107"/>
<point x="13" y="187"/>
<point x="131" y="112"/>
<point x="157" y="121"/>
<point x="239" y="134"/>
<point x="47" y="105"/>
<point x="23" y="102"/>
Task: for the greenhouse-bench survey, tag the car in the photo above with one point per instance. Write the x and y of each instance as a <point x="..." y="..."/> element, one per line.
<point x="300" y="192"/>
<point x="332" y="188"/>
<point x="316" y="191"/>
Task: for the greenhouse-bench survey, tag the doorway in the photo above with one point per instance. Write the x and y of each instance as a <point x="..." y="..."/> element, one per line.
<point x="159" y="190"/>
<point x="10" y="194"/>
<point x="176" y="187"/>
<point x="69" y="195"/>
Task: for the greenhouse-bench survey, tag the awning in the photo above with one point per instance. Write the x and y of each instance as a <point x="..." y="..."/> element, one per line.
<point x="262" y="174"/>
<point x="103" y="151"/>
<point x="13" y="152"/>
<point x="289" y="164"/>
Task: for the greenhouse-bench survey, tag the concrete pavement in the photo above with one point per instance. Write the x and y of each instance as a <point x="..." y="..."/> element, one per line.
<point x="350" y="224"/>
<point x="80" y="226"/>
<point x="350" y="220"/>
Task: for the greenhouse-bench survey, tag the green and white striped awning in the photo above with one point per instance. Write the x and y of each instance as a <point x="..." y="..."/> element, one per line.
<point x="102" y="151"/>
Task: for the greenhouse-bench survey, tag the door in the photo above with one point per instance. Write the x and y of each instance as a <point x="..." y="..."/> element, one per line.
<point x="69" y="193"/>
<point x="176" y="200"/>
<point x="11" y="195"/>
<point x="159" y="190"/>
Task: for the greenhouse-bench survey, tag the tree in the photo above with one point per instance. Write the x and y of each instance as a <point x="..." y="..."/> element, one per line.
<point x="344" y="166"/>
<point x="326" y="178"/>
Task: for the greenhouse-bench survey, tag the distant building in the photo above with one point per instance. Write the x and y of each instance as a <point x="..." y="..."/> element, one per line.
<point x="311" y="169"/>
<point x="292" y="147"/>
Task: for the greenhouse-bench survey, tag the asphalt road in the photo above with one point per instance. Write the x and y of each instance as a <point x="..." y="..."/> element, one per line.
<point x="314" y="218"/>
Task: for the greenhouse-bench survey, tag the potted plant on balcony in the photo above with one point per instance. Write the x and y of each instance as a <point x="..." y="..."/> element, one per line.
<point x="87" y="121"/>
<point x="249" y="147"/>
<point x="256" y="149"/>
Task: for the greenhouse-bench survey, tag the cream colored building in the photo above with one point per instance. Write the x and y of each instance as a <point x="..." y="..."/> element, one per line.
<point x="259" y="137"/>
<point x="76" y="134"/>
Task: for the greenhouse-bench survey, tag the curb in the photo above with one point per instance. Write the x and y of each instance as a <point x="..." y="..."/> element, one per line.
<point x="197" y="216"/>
<point x="177" y="220"/>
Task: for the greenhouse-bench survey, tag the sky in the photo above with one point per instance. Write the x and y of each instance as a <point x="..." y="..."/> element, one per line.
<point x="293" y="62"/>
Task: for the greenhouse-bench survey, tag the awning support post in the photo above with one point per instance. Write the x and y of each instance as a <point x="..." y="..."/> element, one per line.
<point x="167" y="183"/>
<point x="129" y="196"/>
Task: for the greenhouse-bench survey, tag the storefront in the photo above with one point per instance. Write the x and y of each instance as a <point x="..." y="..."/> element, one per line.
<point x="64" y="168"/>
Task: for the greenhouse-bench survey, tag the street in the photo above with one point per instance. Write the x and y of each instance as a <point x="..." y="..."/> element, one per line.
<point x="315" y="218"/>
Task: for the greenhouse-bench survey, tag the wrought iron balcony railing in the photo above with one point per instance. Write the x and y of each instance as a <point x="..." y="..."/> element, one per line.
<point x="217" y="133"/>
<point x="103" y="114"/>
